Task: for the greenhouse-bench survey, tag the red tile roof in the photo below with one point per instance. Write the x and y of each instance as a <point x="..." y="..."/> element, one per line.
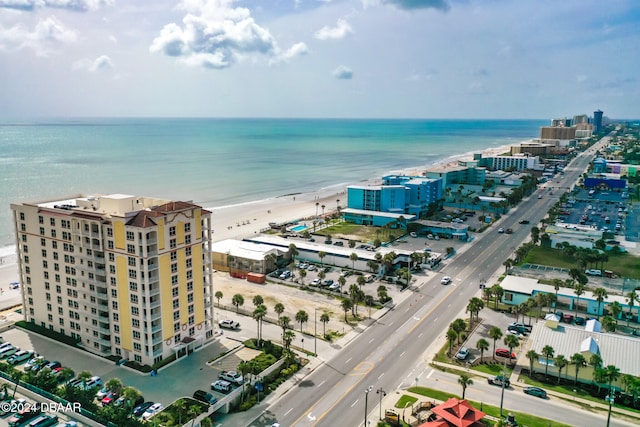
<point x="455" y="413"/>
<point x="144" y="219"/>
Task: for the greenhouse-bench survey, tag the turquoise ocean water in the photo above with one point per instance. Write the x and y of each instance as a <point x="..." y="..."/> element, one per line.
<point x="219" y="162"/>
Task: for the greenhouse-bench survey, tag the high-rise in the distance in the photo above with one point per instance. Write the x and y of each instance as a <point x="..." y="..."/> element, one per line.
<point x="125" y="275"/>
<point x="597" y="121"/>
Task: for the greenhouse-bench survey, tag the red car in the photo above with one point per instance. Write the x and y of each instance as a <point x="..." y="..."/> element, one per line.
<point x="109" y="398"/>
<point x="503" y="352"/>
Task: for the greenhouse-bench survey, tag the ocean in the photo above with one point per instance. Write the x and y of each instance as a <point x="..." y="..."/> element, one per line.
<point x="220" y="162"/>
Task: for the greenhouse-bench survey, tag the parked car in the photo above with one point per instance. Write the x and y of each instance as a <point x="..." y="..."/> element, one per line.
<point x="35" y="360"/>
<point x="445" y="280"/>
<point x="152" y="410"/>
<point x="499" y="380"/>
<point x="503" y="352"/>
<point x="140" y="409"/>
<point x="229" y="324"/>
<point x="535" y="391"/>
<point x="109" y="398"/>
<point x="580" y="321"/>
<point x="20" y="356"/>
<point x="521" y="325"/>
<point x="102" y="393"/>
<point x="122" y="400"/>
<point x="232" y="377"/>
<point x="328" y="282"/>
<point x="94" y="381"/>
<point x="53" y="365"/>
<point x="284" y="275"/>
<point x="338" y="243"/>
<point x="334" y="286"/>
<point x="221" y="386"/>
<point x="315" y="282"/>
<point x="462" y="354"/>
<point x="593" y="272"/>
<point x="39" y="365"/>
<point x="519" y="329"/>
<point x="8" y="351"/>
<point x="205" y="397"/>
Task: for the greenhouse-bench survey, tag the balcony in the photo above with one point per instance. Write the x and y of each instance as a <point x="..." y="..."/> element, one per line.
<point x="154" y="290"/>
<point x="155" y="314"/>
<point x="154" y="303"/>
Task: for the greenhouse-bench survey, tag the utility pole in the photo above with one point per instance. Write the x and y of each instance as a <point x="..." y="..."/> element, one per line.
<point x="382" y="394"/>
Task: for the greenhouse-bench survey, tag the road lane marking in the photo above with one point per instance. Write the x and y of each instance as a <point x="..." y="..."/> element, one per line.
<point x="311" y="417"/>
<point x="420" y="336"/>
<point x="371" y="340"/>
<point x="347" y="361"/>
<point x="381" y="375"/>
<point x="402" y="354"/>
<point x="320" y="385"/>
<point x="288" y="412"/>
<point x="354" y="403"/>
<point x="430" y="373"/>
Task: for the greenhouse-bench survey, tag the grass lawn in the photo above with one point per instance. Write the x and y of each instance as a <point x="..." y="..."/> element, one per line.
<point x="363" y="233"/>
<point x="623" y="264"/>
<point x="405" y="400"/>
<point x="522" y="418"/>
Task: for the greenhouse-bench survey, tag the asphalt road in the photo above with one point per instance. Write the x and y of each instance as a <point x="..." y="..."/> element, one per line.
<point x="385" y="355"/>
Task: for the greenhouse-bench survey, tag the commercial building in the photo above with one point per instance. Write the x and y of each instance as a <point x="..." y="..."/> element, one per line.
<point x="518" y="162"/>
<point x="463" y="173"/>
<point x="597" y="120"/>
<point x="557" y="132"/>
<point x="240" y="256"/>
<point x="125" y="275"/>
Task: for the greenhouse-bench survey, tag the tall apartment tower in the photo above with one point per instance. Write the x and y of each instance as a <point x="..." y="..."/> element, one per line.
<point x="597" y="121"/>
<point x="125" y="275"/>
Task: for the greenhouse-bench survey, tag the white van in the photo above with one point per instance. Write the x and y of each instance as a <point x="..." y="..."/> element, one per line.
<point x="93" y="382"/>
<point x="8" y="351"/>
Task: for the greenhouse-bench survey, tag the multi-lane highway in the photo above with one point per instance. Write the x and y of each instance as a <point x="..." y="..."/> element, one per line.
<point x="384" y="355"/>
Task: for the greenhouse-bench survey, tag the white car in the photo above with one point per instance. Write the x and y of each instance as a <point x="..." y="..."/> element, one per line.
<point x="153" y="409"/>
<point x="593" y="272"/>
<point x="315" y="282"/>
<point x="232" y="377"/>
<point x="445" y="280"/>
<point x="500" y="230"/>
<point x="462" y="354"/>
<point x="229" y="324"/>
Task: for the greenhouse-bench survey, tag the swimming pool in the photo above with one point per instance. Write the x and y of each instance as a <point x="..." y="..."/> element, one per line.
<point x="298" y="228"/>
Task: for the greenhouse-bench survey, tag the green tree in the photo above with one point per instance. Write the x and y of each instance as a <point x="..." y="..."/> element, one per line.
<point x="302" y="317"/>
<point x="218" y="296"/>
<point x="342" y="281"/>
<point x="258" y="300"/>
<point x="259" y="314"/>
<point x="578" y="361"/>
<point x="238" y="301"/>
<point x="532" y="355"/>
<point x="285" y="323"/>
<point x="346" y="305"/>
<point x="612" y="373"/>
<point x="495" y="334"/>
<point x="631" y="298"/>
<point x="547" y="351"/>
<point x="279" y="309"/>
<point x="465" y="382"/>
<point x="451" y="337"/>
<point x="560" y="361"/>
<point x="497" y="292"/>
<point x="578" y="289"/>
<point x="324" y="318"/>
<point x="616" y="309"/>
<point x="353" y="257"/>
<point x="303" y="274"/>
<point x="458" y="325"/>
<point x="600" y="294"/>
<point x="321" y="255"/>
<point x="482" y="345"/>
<point x="361" y="281"/>
<point x="512" y="342"/>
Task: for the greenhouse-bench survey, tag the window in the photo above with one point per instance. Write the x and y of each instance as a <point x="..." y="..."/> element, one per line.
<point x="55" y="254"/>
<point x="48" y="305"/>
<point x="135" y="311"/>
<point x="176" y="327"/>
<point x="192" y="320"/>
<point x="137" y="357"/>
<point x="176" y="315"/>
<point x="174" y="256"/>
<point x="131" y="249"/>
<point x="42" y="231"/>
<point x="172" y="231"/>
<point x="53" y="234"/>
<point x="133" y="286"/>
<point x="116" y="317"/>
<point x="114" y="293"/>
<point x="45" y="264"/>
<point x="109" y="232"/>
<point x="50" y="317"/>
<point x="40" y="219"/>
<point x="134" y="299"/>
<point x="172" y="243"/>
<point x="189" y="286"/>
<point x="43" y="242"/>
<point x="189" y="275"/>
<point x="52" y="221"/>
<point x="23" y="227"/>
<point x="191" y="309"/>
<point x="176" y="303"/>
<point x="187" y="227"/>
<point x="112" y="269"/>
<point x="131" y="261"/>
<point x="54" y="245"/>
<point x="112" y="257"/>
<point x="174" y="280"/>
<point x="114" y="305"/>
<point x="133" y="274"/>
<point x="187" y="239"/>
<point x="189" y="263"/>
<point x="135" y="323"/>
<point x="44" y="253"/>
<point x="61" y="321"/>
<point x="110" y="244"/>
<point x="188" y="251"/>
<point x="131" y="235"/>
<point x="174" y="292"/>
<point x="136" y="335"/>
<point x="174" y="268"/>
<point x="190" y="297"/>
<point x="112" y="280"/>
<point x="58" y="289"/>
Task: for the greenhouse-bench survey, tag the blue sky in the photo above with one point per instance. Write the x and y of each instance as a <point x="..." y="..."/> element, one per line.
<point x="319" y="58"/>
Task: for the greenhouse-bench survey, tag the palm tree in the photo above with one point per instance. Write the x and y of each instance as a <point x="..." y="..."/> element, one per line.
<point x="180" y="406"/>
<point x="507" y="265"/>
<point x="459" y="326"/>
<point x="346" y="305"/>
<point x="631" y="298"/>
<point x="114" y="385"/>
<point x="258" y="300"/>
<point x="578" y="361"/>
<point x="285" y="323"/>
<point x="293" y="252"/>
<point x="560" y="361"/>
<point x="612" y="373"/>
<point x="361" y="281"/>
<point x="495" y="334"/>
<point x="600" y="294"/>
<point x="288" y="338"/>
<point x="609" y="323"/>
<point x="578" y="289"/>
<point x="512" y="342"/>
<point x="324" y="318"/>
<point x="547" y="351"/>
<point x="342" y="281"/>
<point x="616" y="309"/>
<point x="353" y="257"/>
<point x="279" y="309"/>
<point x="465" y="382"/>
<point x="474" y="307"/>
<point x="595" y="360"/>
<point x="303" y="274"/>
<point x="302" y="317"/>
<point x="497" y="291"/>
<point x="218" y="296"/>
<point x="482" y="345"/>
<point x="258" y="314"/>
<point x="556" y="286"/>
<point x="451" y="337"/>
<point x="321" y="255"/>
<point x="532" y="355"/>
<point x="237" y="300"/>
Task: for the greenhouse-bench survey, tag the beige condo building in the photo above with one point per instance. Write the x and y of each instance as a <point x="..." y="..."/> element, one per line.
<point x="125" y="275"/>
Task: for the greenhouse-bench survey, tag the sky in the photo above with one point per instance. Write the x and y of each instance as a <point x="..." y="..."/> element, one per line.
<point x="502" y="59"/>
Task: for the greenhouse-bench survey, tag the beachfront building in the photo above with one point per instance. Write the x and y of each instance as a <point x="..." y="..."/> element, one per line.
<point x="464" y="173"/>
<point x="558" y="132"/>
<point x="578" y="235"/>
<point x="448" y="230"/>
<point x="517" y="162"/>
<point x="124" y="275"/>
<point x="237" y="256"/>
<point x="398" y="197"/>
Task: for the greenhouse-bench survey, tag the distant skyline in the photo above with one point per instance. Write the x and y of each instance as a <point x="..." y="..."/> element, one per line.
<point x="505" y="59"/>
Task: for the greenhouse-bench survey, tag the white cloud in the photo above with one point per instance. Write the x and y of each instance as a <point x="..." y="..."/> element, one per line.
<point x="47" y="33"/>
<point x="343" y="73"/>
<point x="216" y="35"/>
<point x="340" y="31"/>
<point x="442" y="5"/>
<point x="581" y="78"/>
<point x="72" y="5"/>
<point x="101" y="63"/>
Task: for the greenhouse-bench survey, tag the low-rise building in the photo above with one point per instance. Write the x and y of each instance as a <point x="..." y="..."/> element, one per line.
<point x="237" y="256"/>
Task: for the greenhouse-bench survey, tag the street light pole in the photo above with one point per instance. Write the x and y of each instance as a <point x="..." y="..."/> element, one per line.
<point x="382" y="394"/>
<point x="315" y="331"/>
<point x="366" y="399"/>
<point x="504" y="377"/>
<point x="609" y="399"/>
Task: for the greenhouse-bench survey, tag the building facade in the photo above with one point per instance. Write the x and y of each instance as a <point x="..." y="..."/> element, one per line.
<point x="125" y="275"/>
<point x="597" y="120"/>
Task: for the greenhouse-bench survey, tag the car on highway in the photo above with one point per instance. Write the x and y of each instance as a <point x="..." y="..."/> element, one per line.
<point x="229" y="324"/>
<point x="535" y="391"/>
<point x="445" y="280"/>
<point x="503" y="352"/>
<point x="500" y="230"/>
<point x="462" y="354"/>
<point x="524" y="221"/>
<point x="499" y="380"/>
<point x="509" y="230"/>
